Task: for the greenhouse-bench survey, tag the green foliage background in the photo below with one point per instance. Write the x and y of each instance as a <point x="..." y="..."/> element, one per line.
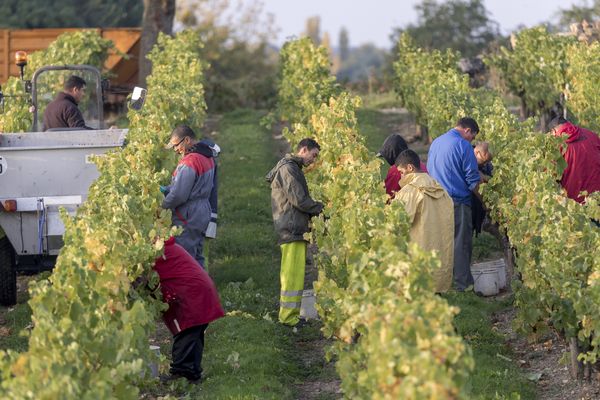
<point x="70" y="13"/>
<point x="91" y="325"/>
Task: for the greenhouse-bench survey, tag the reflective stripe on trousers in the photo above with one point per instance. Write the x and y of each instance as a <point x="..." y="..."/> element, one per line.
<point x="293" y="260"/>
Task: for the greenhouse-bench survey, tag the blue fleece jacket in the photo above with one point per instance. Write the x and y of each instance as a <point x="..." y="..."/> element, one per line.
<point x="451" y="162"/>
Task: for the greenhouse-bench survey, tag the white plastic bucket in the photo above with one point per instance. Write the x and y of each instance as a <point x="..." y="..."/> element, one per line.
<point x="486" y="281"/>
<point x="502" y="276"/>
<point x="498" y="265"/>
<point x="308" y="309"/>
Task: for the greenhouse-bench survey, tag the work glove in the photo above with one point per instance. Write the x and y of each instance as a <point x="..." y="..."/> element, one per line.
<point x="211" y="230"/>
<point x="164" y="189"/>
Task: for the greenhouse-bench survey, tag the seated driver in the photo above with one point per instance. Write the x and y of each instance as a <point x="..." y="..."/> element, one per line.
<point x="62" y="112"/>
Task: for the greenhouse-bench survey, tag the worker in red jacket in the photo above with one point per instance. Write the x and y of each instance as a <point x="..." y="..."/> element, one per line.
<point x="582" y="154"/>
<point x="193" y="303"/>
<point x="393" y="145"/>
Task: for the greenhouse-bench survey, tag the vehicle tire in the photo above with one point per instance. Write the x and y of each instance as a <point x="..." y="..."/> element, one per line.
<point x="8" y="274"/>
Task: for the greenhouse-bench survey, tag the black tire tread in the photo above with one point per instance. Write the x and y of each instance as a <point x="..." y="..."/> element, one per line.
<point x="8" y="274"/>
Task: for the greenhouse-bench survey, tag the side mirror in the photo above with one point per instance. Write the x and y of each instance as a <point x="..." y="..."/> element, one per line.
<point x="138" y="97"/>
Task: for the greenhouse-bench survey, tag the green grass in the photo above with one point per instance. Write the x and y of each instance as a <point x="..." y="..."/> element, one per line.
<point x="486" y="247"/>
<point x="373" y="128"/>
<point x="380" y="100"/>
<point x="246" y="353"/>
<point x="249" y="355"/>
<point x="496" y="374"/>
<point x="376" y="126"/>
<point x="13" y="320"/>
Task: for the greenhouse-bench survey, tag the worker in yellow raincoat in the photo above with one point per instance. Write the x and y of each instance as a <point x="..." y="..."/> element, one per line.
<point x="292" y="209"/>
<point x="431" y="213"/>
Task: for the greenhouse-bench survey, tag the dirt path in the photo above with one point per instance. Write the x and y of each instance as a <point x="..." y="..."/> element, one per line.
<point x="541" y="362"/>
<point x="321" y="380"/>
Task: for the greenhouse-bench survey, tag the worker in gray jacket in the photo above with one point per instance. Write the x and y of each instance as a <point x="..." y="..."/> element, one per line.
<point x="292" y="209"/>
<point x="189" y="192"/>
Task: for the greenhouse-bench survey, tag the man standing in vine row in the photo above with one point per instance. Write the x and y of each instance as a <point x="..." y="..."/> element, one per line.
<point x="292" y="209"/>
<point x="452" y="163"/>
<point x="188" y="196"/>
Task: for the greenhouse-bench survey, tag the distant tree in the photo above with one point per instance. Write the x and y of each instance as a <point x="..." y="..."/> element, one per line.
<point x="577" y="13"/>
<point x="462" y="25"/>
<point x="158" y="17"/>
<point x="333" y="58"/>
<point x="363" y="63"/>
<point x="326" y="42"/>
<point x="242" y="64"/>
<point x="313" y="29"/>
<point x="30" y="14"/>
<point x="344" y="44"/>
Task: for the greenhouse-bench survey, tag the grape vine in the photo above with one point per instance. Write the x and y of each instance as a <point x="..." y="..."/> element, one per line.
<point x="90" y="336"/>
<point x="395" y="338"/>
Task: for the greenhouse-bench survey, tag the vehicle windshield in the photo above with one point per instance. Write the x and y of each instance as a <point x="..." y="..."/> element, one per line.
<point x="50" y="83"/>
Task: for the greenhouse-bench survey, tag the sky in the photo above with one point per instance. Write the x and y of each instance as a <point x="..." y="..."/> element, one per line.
<point x="373" y="20"/>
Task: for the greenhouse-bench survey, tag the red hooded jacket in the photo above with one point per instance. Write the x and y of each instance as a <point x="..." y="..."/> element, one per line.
<point x="582" y="155"/>
<point x="392" y="180"/>
<point x="187" y="288"/>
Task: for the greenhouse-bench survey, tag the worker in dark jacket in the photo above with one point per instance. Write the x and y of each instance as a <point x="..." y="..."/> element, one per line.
<point x="292" y="209"/>
<point x="484" y="164"/>
<point x="188" y="195"/>
<point x="62" y="112"/>
<point x="193" y="303"/>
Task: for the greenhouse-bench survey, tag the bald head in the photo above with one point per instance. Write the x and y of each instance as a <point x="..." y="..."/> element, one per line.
<point x="482" y="153"/>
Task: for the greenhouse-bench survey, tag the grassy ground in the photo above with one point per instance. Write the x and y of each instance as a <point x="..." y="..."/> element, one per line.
<point x="496" y="375"/>
<point x="380" y="100"/>
<point x="248" y="354"/>
<point x="16" y="318"/>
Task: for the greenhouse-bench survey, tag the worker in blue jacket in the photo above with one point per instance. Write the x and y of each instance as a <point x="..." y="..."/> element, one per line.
<point x="451" y="161"/>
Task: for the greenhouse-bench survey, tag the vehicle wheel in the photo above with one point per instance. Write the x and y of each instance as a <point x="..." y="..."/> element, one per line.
<point x="8" y="274"/>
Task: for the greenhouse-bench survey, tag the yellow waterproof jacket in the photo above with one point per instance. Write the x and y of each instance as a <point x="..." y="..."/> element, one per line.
<point x="431" y="212"/>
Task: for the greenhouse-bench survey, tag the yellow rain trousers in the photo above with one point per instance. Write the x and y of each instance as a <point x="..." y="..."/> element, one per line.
<point x="293" y="260"/>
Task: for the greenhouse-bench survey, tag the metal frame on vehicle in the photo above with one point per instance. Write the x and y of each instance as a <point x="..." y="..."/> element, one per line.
<point x="88" y="68"/>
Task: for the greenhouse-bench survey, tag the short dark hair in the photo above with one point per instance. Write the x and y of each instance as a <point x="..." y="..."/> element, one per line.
<point x="308" y="143"/>
<point x="183" y="131"/>
<point x="556" y="122"/>
<point x="74" y="81"/>
<point x="408" y="157"/>
<point x="467" y="122"/>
